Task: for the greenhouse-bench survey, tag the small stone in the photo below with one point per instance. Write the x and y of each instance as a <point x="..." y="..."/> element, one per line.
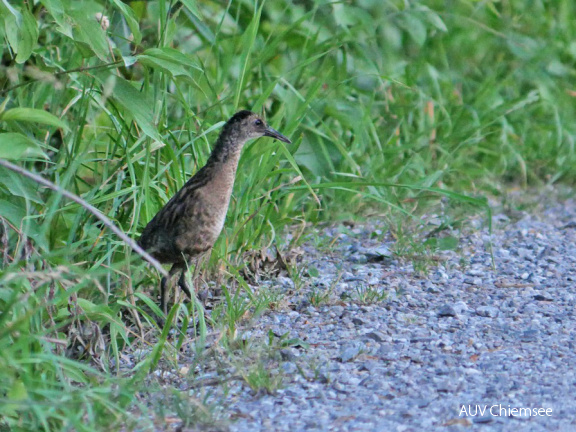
<point x="461" y="307"/>
<point x="530" y="336"/>
<point x="337" y="310"/>
<point x="301" y="305"/>
<point x="422" y="403"/>
<point x="289" y="368"/>
<point x="358" y="258"/>
<point x="288" y="354"/>
<point x="369" y="366"/>
<point x="524" y="253"/>
<point x="376" y="336"/>
<point x="483" y="420"/>
<point x="322" y="378"/>
<point x="377" y="254"/>
<point x="349" y="353"/>
<point x="286" y="282"/>
<point x="446" y="311"/>
<point x="339" y="388"/>
<point x="487" y="311"/>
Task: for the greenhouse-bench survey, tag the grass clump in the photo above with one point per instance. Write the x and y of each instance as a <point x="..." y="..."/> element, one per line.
<point x="369" y="294"/>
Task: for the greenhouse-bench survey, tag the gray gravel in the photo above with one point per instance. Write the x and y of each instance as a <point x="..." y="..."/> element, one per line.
<point x="463" y="335"/>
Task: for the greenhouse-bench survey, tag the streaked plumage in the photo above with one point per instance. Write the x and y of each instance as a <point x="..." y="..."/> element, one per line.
<point x="190" y="223"/>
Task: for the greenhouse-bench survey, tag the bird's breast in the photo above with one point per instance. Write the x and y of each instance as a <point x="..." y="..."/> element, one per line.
<point x="217" y="200"/>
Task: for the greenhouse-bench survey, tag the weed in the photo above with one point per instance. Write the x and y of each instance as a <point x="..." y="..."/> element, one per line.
<point x="318" y="297"/>
<point x="261" y="379"/>
<point x="368" y="294"/>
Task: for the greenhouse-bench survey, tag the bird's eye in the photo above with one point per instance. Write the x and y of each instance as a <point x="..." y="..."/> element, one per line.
<point x="258" y="122"/>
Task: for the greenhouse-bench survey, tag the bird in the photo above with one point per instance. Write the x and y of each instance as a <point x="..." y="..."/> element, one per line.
<point x="187" y="227"/>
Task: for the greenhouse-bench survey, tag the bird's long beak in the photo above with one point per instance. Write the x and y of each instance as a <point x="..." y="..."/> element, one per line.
<point x="275" y="134"/>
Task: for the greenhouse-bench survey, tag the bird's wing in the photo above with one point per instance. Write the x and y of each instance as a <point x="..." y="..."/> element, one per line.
<point x="161" y="232"/>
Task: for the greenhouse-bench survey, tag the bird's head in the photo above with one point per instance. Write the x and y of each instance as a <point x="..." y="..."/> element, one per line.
<point x="246" y="125"/>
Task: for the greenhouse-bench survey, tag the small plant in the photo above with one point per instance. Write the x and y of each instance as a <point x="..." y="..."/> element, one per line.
<point x="297" y="275"/>
<point x="187" y="409"/>
<point x="315" y="366"/>
<point x="283" y="341"/>
<point x="318" y="297"/>
<point x="266" y="299"/>
<point x="235" y="308"/>
<point x="369" y="294"/>
<point x="261" y="379"/>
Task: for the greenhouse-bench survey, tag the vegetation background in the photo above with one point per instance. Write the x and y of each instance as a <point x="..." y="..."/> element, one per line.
<point x="391" y="104"/>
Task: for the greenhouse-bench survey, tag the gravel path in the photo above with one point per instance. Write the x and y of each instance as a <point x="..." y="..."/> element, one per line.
<point x="440" y="348"/>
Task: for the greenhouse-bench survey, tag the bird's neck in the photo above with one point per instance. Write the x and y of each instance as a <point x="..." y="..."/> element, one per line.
<point x="223" y="160"/>
<point x="227" y="150"/>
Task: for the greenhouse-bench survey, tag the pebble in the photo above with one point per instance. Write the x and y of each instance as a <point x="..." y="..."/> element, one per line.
<point x="447" y="311"/>
<point x="487" y="311"/>
<point x="348" y="353"/>
<point x="376" y="336"/>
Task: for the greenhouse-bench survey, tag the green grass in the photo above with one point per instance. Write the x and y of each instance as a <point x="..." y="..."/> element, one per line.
<point x="394" y="108"/>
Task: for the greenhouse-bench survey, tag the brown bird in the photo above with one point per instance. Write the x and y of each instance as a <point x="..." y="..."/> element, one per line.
<point x="189" y="224"/>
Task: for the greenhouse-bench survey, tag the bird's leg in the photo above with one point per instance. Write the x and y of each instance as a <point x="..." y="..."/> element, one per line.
<point x="182" y="283"/>
<point x="197" y="263"/>
<point x="164" y="286"/>
<point x="202" y="295"/>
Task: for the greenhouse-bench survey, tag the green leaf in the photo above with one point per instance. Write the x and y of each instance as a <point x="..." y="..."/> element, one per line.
<point x="138" y="105"/>
<point x="88" y="31"/>
<point x="313" y="271"/>
<point x="94" y="310"/>
<point x="248" y="40"/>
<point x="33" y="115"/>
<point x="13" y="11"/>
<point x="448" y="243"/>
<point x="28" y="36"/>
<point x="295" y="342"/>
<point x="74" y="373"/>
<point x="21" y="186"/>
<point x="87" y="305"/>
<point x="191" y="5"/>
<point x="18" y="391"/>
<point x="443" y="243"/>
<point x="169" y="60"/>
<point x="14" y="146"/>
<point x="21" y="32"/>
<point x="130" y="17"/>
<point x="202" y="29"/>
<point x="436" y="21"/>
<point x="129" y="60"/>
<point x="415" y="28"/>
<point x="56" y="9"/>
<point x="294" y="164"/>
<point x="17" y="216"/>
